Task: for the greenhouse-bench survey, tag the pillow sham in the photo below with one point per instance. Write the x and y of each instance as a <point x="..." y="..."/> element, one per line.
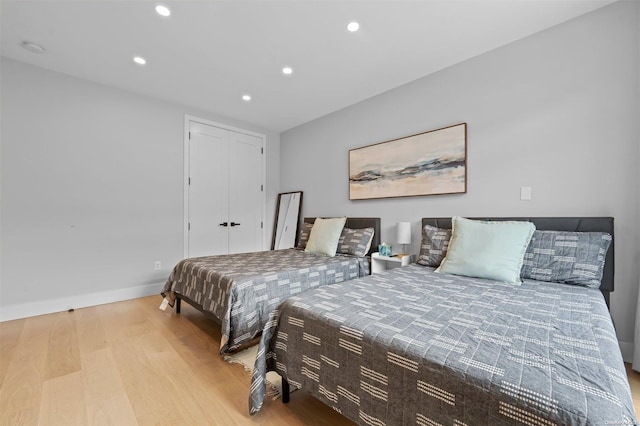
<point x="433" y="247"/>
<point x="324" y="235"/>
<point x="355" y="241"/>
<point x="487" y="249"/>
<point x="567" y="257"/>
<point x="304" y="235"/>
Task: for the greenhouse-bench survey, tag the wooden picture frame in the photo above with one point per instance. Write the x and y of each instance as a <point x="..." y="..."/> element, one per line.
<point x="429" y="163"/>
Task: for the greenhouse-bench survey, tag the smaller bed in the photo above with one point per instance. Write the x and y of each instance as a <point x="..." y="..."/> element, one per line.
<point x="241" y="290"/>
<point x="415" y="346"/>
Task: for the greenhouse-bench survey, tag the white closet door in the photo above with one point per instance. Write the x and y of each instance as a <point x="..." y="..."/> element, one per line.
<point x="245" y="193"/>
<point x="224" y="199"/>
<point x="208" y="191"/>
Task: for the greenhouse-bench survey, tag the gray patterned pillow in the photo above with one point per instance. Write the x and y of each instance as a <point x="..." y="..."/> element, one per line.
<point x="304" y="235"/>
<point x="566" y="257"/>
<point x="355" y="241"/>
<point x="434" y="245"/>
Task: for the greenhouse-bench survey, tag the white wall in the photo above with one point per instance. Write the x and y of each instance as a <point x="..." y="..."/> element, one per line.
<point x="92" y="191"/>
<point x="636" y="343"/>
<point x="557" y="111"/>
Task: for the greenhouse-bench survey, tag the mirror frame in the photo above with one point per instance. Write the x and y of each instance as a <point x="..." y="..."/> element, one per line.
<point x="275" y="224"/>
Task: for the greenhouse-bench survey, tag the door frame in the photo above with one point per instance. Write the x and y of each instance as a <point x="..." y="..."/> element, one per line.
<point x="188" y="119"/>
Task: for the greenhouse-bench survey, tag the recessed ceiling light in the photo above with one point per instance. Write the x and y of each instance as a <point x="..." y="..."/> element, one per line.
<point x="163" y="10"/>
<point x="287" y="70"/>
<point x="32" y="47"/>
<point x="246" y="98"/>
<point x="139" y="60"/>
<point x="353" y="26"/>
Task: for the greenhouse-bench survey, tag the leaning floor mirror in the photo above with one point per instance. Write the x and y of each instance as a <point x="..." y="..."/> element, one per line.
<point x="285" y="228"/>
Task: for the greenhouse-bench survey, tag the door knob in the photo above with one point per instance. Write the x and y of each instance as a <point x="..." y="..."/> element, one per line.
<point x="225" y="224"/>
<point x="235" y="224"/>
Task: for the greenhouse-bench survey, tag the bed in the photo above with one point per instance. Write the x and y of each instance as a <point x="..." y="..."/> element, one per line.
<point x="241" y="290"/>
<point x="416" y="346"/>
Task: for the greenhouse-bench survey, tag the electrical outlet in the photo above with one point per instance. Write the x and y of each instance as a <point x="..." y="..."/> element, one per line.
<point x="157" y="265"/>
<point x="525" y="193"/>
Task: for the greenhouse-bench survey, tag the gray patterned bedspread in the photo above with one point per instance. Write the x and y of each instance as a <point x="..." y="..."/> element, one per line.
<point x="411" y="346"/>
<point x="241" y="290"/>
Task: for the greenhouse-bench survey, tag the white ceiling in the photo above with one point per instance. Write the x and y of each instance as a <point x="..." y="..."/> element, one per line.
<point x="207" y="54"/>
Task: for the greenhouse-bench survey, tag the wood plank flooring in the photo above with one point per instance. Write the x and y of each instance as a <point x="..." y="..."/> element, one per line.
<point x="129" y="363"/>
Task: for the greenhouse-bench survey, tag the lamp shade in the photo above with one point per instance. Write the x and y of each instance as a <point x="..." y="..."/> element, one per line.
<point x="403" y="235"/>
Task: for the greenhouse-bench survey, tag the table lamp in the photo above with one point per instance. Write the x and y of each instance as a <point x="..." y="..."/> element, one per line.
<point x="403" y="235"/>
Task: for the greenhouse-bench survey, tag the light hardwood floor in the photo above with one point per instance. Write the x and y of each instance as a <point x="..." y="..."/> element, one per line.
<point x="129" y="363"/>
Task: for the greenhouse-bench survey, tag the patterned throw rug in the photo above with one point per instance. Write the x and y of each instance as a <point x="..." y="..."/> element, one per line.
<point x="247" y="358"/>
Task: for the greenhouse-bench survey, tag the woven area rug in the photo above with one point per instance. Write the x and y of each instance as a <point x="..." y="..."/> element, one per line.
<point x="247" y="358"/>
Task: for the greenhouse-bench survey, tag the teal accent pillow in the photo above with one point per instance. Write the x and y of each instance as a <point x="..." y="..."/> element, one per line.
<point x="487" y="249"/>
<point x="324" y="235"/>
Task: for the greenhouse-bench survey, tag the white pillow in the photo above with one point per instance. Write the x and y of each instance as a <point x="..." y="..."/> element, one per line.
<point x="487" y="249"/>
<point x="324" y="235"/>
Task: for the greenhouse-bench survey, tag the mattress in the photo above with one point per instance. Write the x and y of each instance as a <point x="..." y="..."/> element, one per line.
<point x="411" y="346"/>
<point x="240" y="290"/>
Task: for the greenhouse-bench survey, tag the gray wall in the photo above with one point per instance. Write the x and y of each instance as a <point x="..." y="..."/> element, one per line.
<point x="92" y="190"/>
<point x="557" y="111"/>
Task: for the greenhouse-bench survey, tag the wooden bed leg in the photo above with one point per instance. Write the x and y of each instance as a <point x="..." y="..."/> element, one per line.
<point x="178" y="302"/>
<point x="285" y="391"/>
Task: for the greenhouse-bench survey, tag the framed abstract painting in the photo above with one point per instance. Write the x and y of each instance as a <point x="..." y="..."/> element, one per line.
<point x="429" y="163"/>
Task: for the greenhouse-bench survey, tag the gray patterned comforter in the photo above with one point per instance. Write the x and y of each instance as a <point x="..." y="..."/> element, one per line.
<point x="241" y="290"/>
<point x="411" y="346"/>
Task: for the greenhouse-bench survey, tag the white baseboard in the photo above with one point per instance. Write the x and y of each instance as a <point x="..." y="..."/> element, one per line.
<point x="12" y="312"/>
<point x="627" y="350"/>
<point x="32" y="309"/>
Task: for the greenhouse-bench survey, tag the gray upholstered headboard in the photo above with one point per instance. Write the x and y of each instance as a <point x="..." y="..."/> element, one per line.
<point x="572" y="224"/>
<point x="358" y="223"/>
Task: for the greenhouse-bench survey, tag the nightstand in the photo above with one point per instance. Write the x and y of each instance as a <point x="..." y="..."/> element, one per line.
<point x="382" y="263"/>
